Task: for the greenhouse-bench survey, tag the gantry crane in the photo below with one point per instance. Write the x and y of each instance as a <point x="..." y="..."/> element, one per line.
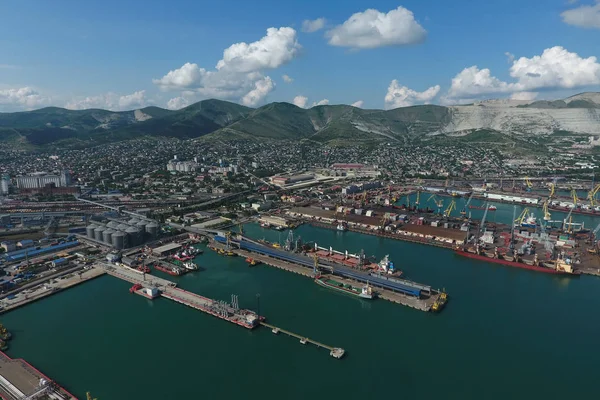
<point x="522" y="216"/>
<point x="592" y="195"/>
<point x="528" y="183"/>
<point x="450" y="208"/>
<point x="438" y="203"/>
<point x="464" y="210"/>
<point x="569" y="218"/>
<point x="546" y="212"/>
<point x="418" y="199"/>
<point x="552" y="189"/>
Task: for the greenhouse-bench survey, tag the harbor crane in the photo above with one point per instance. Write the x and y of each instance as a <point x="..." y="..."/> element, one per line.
<point x="450" y="208"/>
<point x="528" y="184"/>
<point x="88" y="396"/>
<point x="438" y="203"/>
<point x="592" y="195"/>
<point x="569" y="217"/>
<point x="511" y="246"/>
<point x="522" y="216"/>
<point x="482" y="223"/>
<point x="418" y="199"/>
<point x="552" y="189"/>
<point x="547" y="215"/>
<point x="464" y="210"/>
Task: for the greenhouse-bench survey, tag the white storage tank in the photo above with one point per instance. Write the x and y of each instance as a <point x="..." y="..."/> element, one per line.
<point x="107" y="236"/>
<point x="118" y="240"/>
<point x="113" y="225"/>
<point x="98" y="233"/>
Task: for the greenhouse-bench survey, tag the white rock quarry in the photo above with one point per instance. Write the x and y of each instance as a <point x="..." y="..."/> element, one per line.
<point x="505" y="116"/>
<point x="140" y="116"/>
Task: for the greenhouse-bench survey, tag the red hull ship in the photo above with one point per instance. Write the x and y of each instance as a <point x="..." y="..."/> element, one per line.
<point x="516" y="264"/>
<point x="575" y="210"/>
<point x="167" y="270"/>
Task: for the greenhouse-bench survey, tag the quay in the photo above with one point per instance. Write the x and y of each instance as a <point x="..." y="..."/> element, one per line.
<point x="220" y="309"/>
<point x="47" y="288"/>
<point x="411" y="294"/>
<point x="335" y="352"/>
<point x="20" y="380"/>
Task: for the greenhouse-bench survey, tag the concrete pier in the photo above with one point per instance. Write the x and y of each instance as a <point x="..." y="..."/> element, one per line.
<point x="335" y="352"/>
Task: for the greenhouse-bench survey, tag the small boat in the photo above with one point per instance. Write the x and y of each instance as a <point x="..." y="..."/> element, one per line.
<point x="341" y="227"/>
<point x="365" y="292"/>
<point x="252" y="262"/>
<point x="440" y="302"/>
<point x="190" y="266"/>
<point x="492" y="208"/>
<point x="265" y="225"/>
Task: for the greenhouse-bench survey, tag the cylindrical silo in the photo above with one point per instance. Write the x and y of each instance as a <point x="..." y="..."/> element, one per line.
<point x="133" y="236"/>
<point x="113" y="225"/>
<point x="118" y="240"/>
<point x="133" y="221"/>
<point x="98" y="233"/>
<point x="142" y="227"/>
<point x="123" y="227"/>
<point x="90" y="231"/>
<point x="152" y="229"/>
<point x="107" y="236"/>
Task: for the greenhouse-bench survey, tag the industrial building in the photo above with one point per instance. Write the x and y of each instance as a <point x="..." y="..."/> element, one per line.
<point x="287" y="180"/>
<point x="41" y="179"/>
<point x="122" y="233"/>
<point x="361" y="187"/>
<point x="4" y="185"/>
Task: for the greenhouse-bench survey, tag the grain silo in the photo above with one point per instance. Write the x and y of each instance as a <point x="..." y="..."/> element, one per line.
<point x="98" y="233"/>
<point x="133" y="235"/>
<point x="122" y="227"/>
<point x="133" y="221"/>
<point x="90" y="231"/>
<point x="142" y="228"/>
<point x="152" y="229"/>
<point x="113" y="224"/>
<point x="118" y="240"/>
<point x="107" y="236"/>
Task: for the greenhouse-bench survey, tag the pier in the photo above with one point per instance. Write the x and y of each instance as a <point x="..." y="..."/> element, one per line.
<point x="335" y="352"/>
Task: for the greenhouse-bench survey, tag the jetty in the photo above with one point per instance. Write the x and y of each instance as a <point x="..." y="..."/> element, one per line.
<point x="229" y="312"/>
<point x="335" y="352"/>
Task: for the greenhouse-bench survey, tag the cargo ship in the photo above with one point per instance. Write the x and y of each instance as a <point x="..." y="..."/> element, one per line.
<point x="175" y="271"/>
<point x="490" y="208"/>
<point x="559" y="269"/>
<point x="364" y="293"/>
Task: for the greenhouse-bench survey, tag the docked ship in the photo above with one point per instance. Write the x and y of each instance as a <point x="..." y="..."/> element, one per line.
<point x="144" y="268"/>
<point x="528" y="221"/>
<point x="341" y="227"/>
<point x="440" y="302"/>
<point x="490" y="208"/>
<point x="365" y="292"/>
<point x="190" y="266"/>
<point x="175" y="271"/>
<point x="562" y="268"/>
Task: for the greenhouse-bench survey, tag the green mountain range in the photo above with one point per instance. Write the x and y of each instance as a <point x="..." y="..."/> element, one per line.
<point x="332" y="124"/>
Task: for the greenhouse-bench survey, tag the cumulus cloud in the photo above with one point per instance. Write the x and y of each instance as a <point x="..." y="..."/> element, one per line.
<point x="300" y="101"/>
<point x="555" y="68"/>
<point x="510" y="57"/>
<point x="358" y="104"/>
<point x="585" y="16"/>
<point x="323" y="102"/>
<point x="313" y="25"/>
<point x="110" y="101"/>
<point x="239" y="74"/>
<point x="177" y="103"/>
<point x="287" y="79"/>
<point x="25" y="97"/>
<point x="372" y="28"/>
<point x="261" y="89"/>
<point x="402" y="96"/>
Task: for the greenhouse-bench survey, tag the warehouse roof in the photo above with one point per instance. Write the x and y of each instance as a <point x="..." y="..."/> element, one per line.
<point x="166" y="248"/>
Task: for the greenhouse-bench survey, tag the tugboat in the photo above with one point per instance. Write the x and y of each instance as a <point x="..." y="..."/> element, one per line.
<point x="341" y="227"/>
<point x="252" y="262"/>
<point x="365" y="292"/>
<point x="175" y="271"/>
<point x="190" y="266"/>
<point x="440" y="302"/>
<point x="4" y="333"/>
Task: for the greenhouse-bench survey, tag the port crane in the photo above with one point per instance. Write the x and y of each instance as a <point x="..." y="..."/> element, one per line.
<point x="528" y="184"/>
<point x="450" y="208"/>
<point x="88" y="396"/>
<point x="592" y="195"/>
<point x="438" y="203"/>
<point x="511" y="246"/>
<point x="522" y="216"/>
<point x="569" y="217"/>
<point x="547" y="215"/>
<point x="482" y="223"/>
<point x="418" y="199"/>
<point x="464" y="210"/>
<point x="552" y="189"/>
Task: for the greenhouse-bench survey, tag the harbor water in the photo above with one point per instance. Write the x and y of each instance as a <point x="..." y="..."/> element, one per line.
<point x="505" y="333"/>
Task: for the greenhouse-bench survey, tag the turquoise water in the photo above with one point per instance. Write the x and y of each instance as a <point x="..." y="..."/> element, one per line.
<point x="505" y="333"/>
<point x="503" y="214"/>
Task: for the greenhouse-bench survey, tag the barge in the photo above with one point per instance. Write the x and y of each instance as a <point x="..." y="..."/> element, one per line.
<point x="365" y="292"/>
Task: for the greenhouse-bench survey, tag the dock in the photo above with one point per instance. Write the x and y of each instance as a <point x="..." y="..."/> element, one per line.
<point x="335" y="352"/>
<point x="48" y="288"/>
<point x="220" y="309"/>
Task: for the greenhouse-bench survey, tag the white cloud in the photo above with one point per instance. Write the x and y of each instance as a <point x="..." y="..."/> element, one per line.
<point x="25" y="97"/>
<point x="300" y="101"/>
<point x="529" y="96"/>
<point x="239" y="74"/>
<point x="261" y="89"/>
<point x="178" y="103"/>
<point x="555" y="68"/>
<point x="510" y="57"/>
<point x="287" y="79"/>
<point x="323" y="102"/>
<point x="372" y="28"/>
<point x="358" y="104"/>
<point x="110" y="101"/>
<point x="583" y="16"/>
<point x="313" y="25"/>
<point x="402" y="96"/>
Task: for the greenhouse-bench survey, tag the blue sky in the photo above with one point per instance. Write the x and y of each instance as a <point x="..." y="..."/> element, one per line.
<point x="118" y="54"/>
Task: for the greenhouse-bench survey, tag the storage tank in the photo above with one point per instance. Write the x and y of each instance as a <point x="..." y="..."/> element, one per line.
<point x="98" y="233"/>
<point x="133" y="221"/>
<point x="107" y="236"/>
<point x="123" y="227"/>
<point x="90" y="231"/>
<point x="152" y="229"/>
<point x="142" y="227"/>
<point x="113" y="224"/>
<point x="133" y="234"/>
<point x="118" y="240"/>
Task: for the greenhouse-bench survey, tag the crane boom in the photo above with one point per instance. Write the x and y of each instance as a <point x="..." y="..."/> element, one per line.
<point x="482" y="223"/>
